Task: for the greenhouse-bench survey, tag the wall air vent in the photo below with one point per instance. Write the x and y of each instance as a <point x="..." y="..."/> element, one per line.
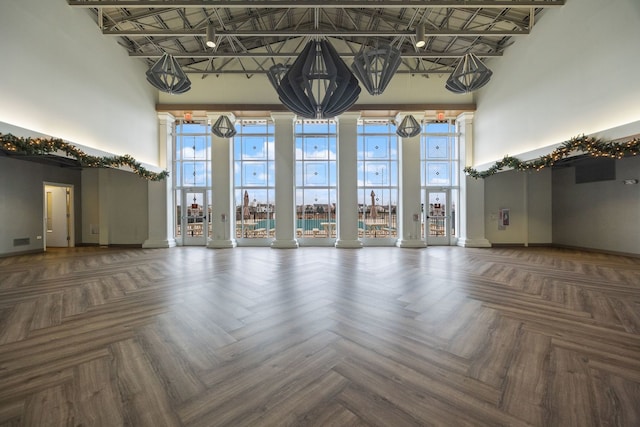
<point x="21" y="242"/>
<point x="595" y="169"/>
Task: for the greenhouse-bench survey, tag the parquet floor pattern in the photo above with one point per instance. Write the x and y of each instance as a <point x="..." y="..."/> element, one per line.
<point x="443" y="336"/>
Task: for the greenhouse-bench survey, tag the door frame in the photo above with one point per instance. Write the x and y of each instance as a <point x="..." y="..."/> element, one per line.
<point x="70" y="217"/>
<point x="447" y="239"/>
<point x="185" y="239"/>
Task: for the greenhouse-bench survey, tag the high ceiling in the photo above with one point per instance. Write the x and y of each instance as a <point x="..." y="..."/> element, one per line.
<point x="251" y="36"/>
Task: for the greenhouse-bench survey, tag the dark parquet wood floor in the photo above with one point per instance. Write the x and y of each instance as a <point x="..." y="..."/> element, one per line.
<point x="443" y="336"/>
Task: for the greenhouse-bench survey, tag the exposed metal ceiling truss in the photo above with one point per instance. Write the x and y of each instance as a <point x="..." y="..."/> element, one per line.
<point x="251" y="36"/>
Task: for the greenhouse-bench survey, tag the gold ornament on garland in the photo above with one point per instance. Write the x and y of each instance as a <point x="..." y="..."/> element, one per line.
<point x="580" y="144"/>
<point x="43" y="146"/>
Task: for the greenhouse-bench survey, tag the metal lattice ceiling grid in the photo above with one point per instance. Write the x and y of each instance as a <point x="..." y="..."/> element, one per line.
<point x="251" y="36"/>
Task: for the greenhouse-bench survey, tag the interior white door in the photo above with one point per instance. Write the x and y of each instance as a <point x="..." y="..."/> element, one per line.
<point x="57" y="216"/>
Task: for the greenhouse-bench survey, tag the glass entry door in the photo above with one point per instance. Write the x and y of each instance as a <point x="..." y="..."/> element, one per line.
<point x="437" y="223"/>
<point x="195" y="218"/>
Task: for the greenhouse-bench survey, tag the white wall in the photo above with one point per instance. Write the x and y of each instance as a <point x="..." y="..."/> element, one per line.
<point x="61" y="77"/>
<point x="111" y="202"/>
<point x="601" y="215"/>
<point x="128" y="212"/>
<point x="22" y="202"/>
<point x="90" y="205"/>
<point x="114" y="207"/>
<point x="577" y="73"/>
<point x="528" y="197"/>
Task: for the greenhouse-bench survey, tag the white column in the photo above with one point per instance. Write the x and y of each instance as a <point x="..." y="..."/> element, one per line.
<point x="410" y="204"/>
<point x="347" y="157"/>
<point x="222" y="212"/>
<point x="471" y="210"/>
<point x="160" y="204"/>
<point x="285" y="165"/>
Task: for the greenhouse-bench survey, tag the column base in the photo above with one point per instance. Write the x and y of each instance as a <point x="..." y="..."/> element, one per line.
<point x="284" y="244"/>
<point x="156" y="244"/>
<point x="348" y="244"/>
<point x="411" y="243"/>
<point x="474" y="243"/>
<point x="221" y="244"/>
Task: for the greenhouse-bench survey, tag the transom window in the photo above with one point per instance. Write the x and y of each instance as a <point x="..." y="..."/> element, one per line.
<point x="439" y="152"/>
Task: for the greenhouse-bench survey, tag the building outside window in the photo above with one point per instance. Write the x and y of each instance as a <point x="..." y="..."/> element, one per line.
<point x="377" y="179"/>
<point x="192" y="182"/>
<point x="439" y="152"/>
<point x="315" y="181"/>
<point x="316" y="178"/>
<point x="254" y="179"/>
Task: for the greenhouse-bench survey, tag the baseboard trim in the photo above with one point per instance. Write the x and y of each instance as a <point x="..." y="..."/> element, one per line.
<point x="594" y="250"/>
<point x="27" y="252"/>
<point x="559" y="246"/>
<point x="110" y="245"/>
<point x="521" y="245"/>
<point x="473" y="243"/>
<point x="159" y="244"/>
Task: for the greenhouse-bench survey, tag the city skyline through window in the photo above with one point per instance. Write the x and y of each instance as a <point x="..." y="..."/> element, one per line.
<point x="377" y="178"/>
<point x="192" y="182"/>
<point x="439" y="175"/>
<point x="254" y="178"/>
<point x="316" y="177"/>
<point x="315" y="143"/>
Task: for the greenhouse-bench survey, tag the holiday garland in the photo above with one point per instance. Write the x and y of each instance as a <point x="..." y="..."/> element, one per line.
<point x="580" y="144"/>
<point x="43" y="146"/>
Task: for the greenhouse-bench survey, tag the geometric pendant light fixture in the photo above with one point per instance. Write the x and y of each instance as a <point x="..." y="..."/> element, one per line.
<point x="470" y="74"/>
<point x="276" y="73"/>
<point x="223" y="127"/>
<point x="409" y="127"/>
<point x="167" y="76"/>
<point x="375" y="66"/>
<point x="318" y="85"/>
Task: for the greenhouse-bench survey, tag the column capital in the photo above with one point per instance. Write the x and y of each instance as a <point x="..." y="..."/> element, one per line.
<point x="166" y="117"/>
<point x="467" y="116"/>
<point x="282" y="115"/>
<point x="349" y="115"/>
